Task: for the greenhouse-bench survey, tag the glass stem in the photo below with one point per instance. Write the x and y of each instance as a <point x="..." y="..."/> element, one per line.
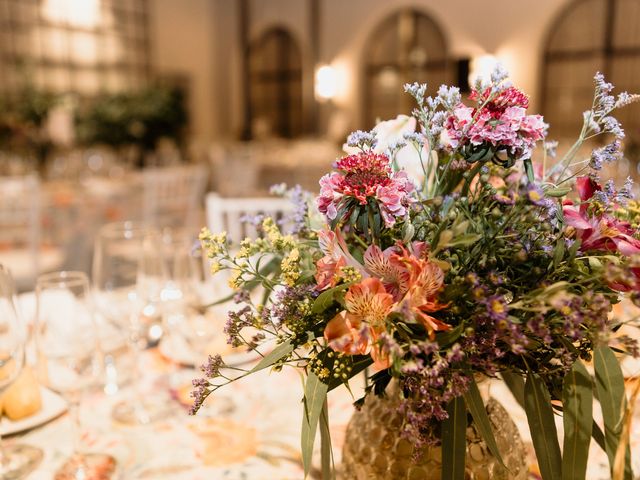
<point x="138" y="406"/>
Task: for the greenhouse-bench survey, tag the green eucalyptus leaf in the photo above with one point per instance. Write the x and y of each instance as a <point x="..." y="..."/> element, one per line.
<point x="537" y="405"/>
<point x="464" y="240"/>
<point x="278" y="353"/>
<point x="528" y="168"/>
<point x="577" y="402"/>
<point x="326" y="453"/>
<point x="326" y="298"/>
<point x="610" y="389"/>
<point x="598" y="435"/>
<point x="448" y="337"/>
<point x="315" y="394"/>
<point x="557" y="192"/>
<point x="476" y="406"/>
<point x="454" y="439"/>
<point x="558" y="252"/>
<point x="515" y="384"/>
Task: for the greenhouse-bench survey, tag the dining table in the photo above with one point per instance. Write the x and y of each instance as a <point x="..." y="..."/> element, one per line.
<point x="247" y="430"/>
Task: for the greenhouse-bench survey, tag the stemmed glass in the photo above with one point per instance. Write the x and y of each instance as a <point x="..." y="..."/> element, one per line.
<point x="16" y="461"/>
<point x="128" y="275"/>
<point x="67" y="346"/>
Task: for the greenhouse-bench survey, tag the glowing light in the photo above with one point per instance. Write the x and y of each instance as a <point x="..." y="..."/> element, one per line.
<point x="482" y="66"/>
<point x="326" y="85"/>
<point x="77" y="13"/>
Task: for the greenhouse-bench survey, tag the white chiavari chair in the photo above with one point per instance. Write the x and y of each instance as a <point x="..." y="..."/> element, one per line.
<point x="229" y="214"/>
<point x="21" y="247"/>
<point x="173" y="196"/>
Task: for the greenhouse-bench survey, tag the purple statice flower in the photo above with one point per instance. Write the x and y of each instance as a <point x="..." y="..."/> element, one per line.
<point x="255" y="220"/>
<point x="199" y="394"/>
<point x="602" y="198"/>
<point x="455" y="353"/>
<point x="212" y="367"/>
<point x="611" y="125"/>
<point x="437" y="122"/>
<point x="242" y="296"/>
<point x="236" y="321"/>
<point x="394" y="147"/>
<point x="292" y="309"/>
<point x="389" y="346"/>
<point x="499" y="73"/>
<point x="300" y="210"/>
<point x="624" y="99"/>
<point x="604" y="101"/>
<point x="607" y="154"/>
<point x="610" y="189"/>
<point x="363" y="140"/>
<point x="417" y="91"/>
<point x="449" y="96"/>
<point x="416" y="138"/>
<point x="540" y="329"/>
<point x="626" y="192"/>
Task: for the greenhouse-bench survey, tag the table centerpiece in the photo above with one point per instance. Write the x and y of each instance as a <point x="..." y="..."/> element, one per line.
<point x="439" y="254"/>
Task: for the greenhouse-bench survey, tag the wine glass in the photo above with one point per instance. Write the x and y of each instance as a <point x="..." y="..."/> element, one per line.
<point x="16" y="461"/>
<point x="67" y="346"/>
<point x="128" y="275"/>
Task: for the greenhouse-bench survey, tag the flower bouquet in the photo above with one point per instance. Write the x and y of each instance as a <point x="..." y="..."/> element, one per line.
<point x="439" y="253"/>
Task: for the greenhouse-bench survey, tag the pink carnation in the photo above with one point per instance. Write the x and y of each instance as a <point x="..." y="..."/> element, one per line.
<point x="362" y="177"/>
<point x="502" y="123"/>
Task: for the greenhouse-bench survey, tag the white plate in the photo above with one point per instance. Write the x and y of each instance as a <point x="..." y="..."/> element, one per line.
<point x="53" y="405"/>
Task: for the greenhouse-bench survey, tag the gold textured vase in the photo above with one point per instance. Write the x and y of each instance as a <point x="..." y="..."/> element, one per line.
<point x="373" y="449"/>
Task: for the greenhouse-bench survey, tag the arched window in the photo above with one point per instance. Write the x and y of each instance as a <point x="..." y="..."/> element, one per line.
<point x="590" y="36"/>
<point x="275" y="79"/>
<point x="406" y="47"/>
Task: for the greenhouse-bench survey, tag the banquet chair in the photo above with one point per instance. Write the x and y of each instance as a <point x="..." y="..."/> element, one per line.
<point x="232" y="215"/>
<point x="21" y="248"/>
<point x="172" y="196"/>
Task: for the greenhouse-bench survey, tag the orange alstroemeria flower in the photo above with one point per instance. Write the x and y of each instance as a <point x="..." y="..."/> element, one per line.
<point x="355" y="330"/>
<point x="426" y="280"/>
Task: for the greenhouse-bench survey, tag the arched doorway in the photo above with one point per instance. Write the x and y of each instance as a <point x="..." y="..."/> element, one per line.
<point x="406" y="47"/>
<point x="275" y="79"/>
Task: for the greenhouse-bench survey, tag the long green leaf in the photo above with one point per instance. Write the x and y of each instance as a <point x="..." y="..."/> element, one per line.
<point x="454" y="439"/>
<point x="476" y="406"/>
<point x="537" y="405"/>
<point x="598" y="435"/>
<point x="326" y="453"/>
<point x="278" y="353"/>
<point x="610" y="388"/>
<point x="326" y="298"/>
<point x="577" y="402"/>
<point x="515" y="384"/>
<point x="315" y="393"/>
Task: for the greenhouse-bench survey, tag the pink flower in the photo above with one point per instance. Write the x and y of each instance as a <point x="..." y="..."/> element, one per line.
<point x="598" y="232"/>
<point x="502" y="123"/>
<point x="362" y="177"/>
